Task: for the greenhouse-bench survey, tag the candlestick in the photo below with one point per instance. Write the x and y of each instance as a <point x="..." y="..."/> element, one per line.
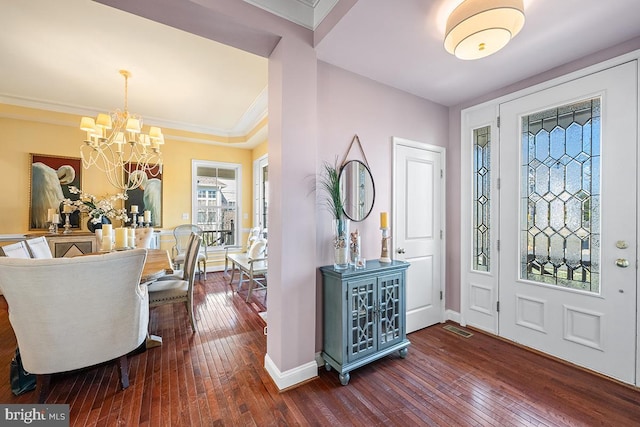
<point x="67" y="223"/>
<point x="386" y="238"/>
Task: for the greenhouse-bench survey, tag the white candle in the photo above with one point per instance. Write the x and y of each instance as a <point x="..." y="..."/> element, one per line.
<point x="56" y="218"/>
<point x="106" y="237"/>
<point x="134" y="209"/>
<point x="140" y="219"/>
<point x="147" y="216"/>
<point x="131" y="237"/>
<point x="121" y="237"/>
<point x="50" y="213"/>
<point x="67" y="209"/>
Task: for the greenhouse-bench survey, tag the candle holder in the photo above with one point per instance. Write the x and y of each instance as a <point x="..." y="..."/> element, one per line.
<point x="53" y="227"/>
<point x="134" y="222"/>
<point x="386" y="242"/>
<point x="67" y="224"/>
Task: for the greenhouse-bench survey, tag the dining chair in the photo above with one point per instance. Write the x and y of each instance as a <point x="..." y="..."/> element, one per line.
<point x="143" y="237"/>
<point x="17" y="250"/>
<point x="181" y="234"/>
<point x="39" y="247"/>
<point x="73" y="313"/>
<point x="173" y="291"/>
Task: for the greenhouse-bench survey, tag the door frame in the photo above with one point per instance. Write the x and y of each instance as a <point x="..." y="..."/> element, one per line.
<point x="465" y="160"/>
<point x="396" y="141"/>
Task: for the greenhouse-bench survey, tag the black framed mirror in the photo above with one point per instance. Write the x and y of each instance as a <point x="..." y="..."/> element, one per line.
<point x="358" y="190"/>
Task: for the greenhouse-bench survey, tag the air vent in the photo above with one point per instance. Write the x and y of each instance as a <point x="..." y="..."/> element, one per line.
<point x="458" y="331"/>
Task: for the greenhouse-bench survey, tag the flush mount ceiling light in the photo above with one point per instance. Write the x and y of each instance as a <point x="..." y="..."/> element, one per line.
<point x="479" y="28"/>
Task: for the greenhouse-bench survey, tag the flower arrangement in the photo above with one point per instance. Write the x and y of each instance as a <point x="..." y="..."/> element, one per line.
<point x="96" y="208"/>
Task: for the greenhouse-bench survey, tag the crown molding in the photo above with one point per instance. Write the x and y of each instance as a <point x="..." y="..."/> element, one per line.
<point x="306" y="13"/>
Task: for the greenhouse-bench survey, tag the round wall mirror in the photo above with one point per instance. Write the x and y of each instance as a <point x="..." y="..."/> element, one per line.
<point x="358" y="190"/>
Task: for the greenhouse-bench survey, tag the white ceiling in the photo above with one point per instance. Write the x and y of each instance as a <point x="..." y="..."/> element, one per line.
<point x="66" y="55"/>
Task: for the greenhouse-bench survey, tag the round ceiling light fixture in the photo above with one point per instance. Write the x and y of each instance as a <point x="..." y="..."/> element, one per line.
<point x="479" y="28"/>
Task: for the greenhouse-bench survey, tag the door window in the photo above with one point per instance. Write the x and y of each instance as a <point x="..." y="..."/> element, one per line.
<point x="560" y="225"/>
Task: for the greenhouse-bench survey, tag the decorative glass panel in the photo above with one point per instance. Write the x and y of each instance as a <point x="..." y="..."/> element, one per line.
<point x="389" y="310"/>
<point x="362" y="318"/>
<point x="481" y="197"/>
<point x="560" y="196"/>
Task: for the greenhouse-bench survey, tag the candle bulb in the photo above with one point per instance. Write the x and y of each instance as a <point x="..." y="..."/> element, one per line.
<point x="384" y="220"/>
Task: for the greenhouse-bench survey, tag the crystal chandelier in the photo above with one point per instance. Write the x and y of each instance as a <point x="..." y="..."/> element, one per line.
<point x="116" y="145"/>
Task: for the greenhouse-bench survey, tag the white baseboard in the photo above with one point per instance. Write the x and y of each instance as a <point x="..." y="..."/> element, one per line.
<point x="454" y="316"/>
<point x="291" y="377"/>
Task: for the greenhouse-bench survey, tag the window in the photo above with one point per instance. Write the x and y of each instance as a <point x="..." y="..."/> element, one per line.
<point x="216" y="207"/>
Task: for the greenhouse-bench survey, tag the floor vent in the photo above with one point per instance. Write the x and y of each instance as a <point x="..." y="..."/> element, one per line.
<point x="458" y="331"/>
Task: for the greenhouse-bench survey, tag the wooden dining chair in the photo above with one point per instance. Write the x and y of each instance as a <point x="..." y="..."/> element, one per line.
<point x="173" y="291"/>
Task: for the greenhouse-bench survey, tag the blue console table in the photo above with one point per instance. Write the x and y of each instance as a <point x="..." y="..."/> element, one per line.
<point x="364" y="315"/>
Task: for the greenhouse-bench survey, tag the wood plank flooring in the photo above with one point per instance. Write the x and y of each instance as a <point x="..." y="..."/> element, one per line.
<point x="215" y="377"/>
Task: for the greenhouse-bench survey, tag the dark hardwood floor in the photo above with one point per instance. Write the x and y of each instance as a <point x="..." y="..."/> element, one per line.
<point x="216" y="377"/>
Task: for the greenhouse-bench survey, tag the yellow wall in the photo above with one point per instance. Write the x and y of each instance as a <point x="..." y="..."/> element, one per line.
<point x="25" y="130"/>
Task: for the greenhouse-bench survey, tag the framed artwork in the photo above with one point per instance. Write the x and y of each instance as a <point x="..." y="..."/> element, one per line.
<point x="51" y="177"/>
<point x="148" y="196"/>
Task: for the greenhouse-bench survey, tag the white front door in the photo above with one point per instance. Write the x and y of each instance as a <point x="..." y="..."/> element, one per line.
<point x="418" y="228"/>
<point x="568" y="221"/>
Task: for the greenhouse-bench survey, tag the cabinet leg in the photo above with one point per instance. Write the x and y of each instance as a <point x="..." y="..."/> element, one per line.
<point x="403" y="352"/>
<point x="344" y="378"/>
<point x="327" y="366"/>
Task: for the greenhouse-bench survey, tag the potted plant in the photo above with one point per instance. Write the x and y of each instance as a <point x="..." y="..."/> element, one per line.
<point x="330" y="185"/>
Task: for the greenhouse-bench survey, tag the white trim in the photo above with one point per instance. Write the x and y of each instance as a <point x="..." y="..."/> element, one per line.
<point x="258" y="164"/>
<point x="291" y="377"/>
<point x="454" y="316"/>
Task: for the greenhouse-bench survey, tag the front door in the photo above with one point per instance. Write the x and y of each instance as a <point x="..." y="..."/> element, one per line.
<point x="418" y="228"/>
<point x="568" y="221"/>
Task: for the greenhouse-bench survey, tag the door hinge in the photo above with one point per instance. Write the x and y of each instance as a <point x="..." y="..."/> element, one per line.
<point x="498" y="121"/>
<point x="441" y="234"/>
<point x="498" y="245"/>
<point x="499" y="183"/>
<point x="441" y="295"/>
<point x="441" y="174"/>
<point x="498" y="306"/>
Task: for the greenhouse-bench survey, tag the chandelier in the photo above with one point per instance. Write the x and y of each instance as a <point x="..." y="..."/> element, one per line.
<point x="116" y="145"/>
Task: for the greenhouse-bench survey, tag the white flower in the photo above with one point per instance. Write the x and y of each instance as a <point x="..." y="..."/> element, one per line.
<point x="95" y="208"/>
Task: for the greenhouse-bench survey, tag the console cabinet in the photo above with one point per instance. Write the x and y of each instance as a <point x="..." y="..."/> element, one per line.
<point x="364" y="315"/>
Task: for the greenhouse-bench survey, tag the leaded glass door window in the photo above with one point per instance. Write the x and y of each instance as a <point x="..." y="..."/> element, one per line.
<point x="362" y="327"/>
<point x="389" y="310"/>
<point x="561" y="196"/>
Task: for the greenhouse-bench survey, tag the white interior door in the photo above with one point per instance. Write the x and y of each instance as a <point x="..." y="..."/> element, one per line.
<point x="568" y="221"/>
<point x="419" y="228"/>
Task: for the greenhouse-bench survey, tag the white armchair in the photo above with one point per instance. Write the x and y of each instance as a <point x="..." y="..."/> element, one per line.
<point x="72" y="313"/>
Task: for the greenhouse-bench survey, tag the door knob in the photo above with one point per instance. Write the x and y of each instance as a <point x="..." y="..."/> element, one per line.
<point x="400" y="250"/>
<point x="622" y="263"/>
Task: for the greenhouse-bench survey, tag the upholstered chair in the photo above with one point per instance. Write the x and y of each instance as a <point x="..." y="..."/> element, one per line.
<point x="179" y="290"/>
<point x="143" y="237"/>
<point x="72" y="313"/>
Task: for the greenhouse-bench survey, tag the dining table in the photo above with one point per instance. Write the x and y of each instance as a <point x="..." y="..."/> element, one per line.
<point x="157" y="264"/>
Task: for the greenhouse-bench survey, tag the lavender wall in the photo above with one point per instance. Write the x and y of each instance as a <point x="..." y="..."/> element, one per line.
<point x="350" y="104"/>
